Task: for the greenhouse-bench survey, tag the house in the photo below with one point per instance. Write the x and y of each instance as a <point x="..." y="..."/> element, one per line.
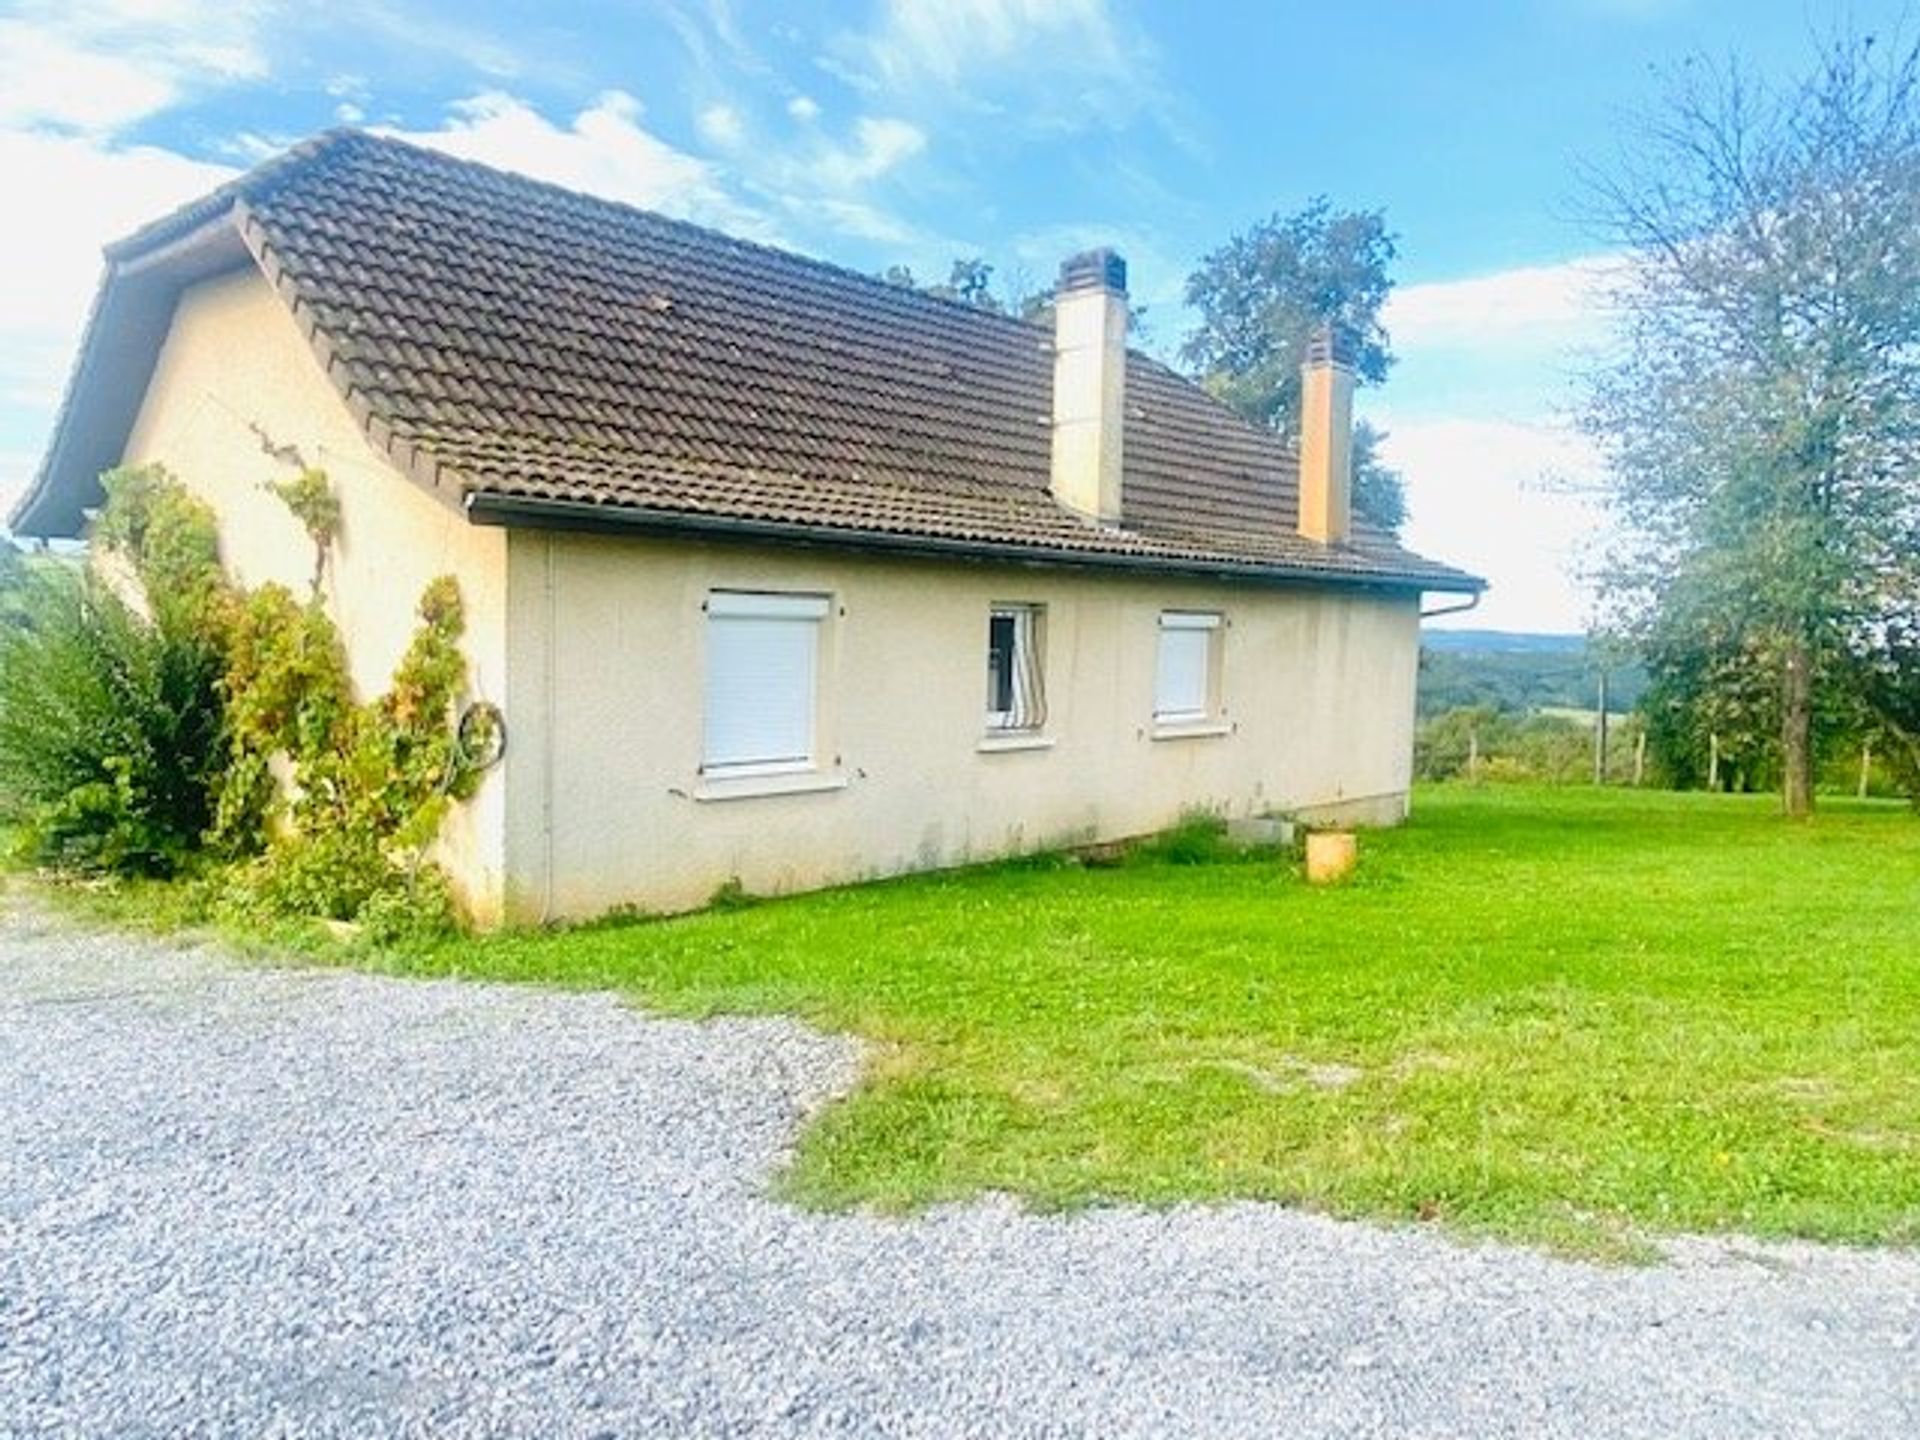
<point x="776" y="572"/>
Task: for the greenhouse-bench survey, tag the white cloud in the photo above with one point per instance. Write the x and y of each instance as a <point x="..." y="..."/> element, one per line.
<point x="97" y="68"/>
<point x="45" y="80"/>
<point x="916" y="42"/>
<point x="1499" y="498"/>
<point x="410" y="28"/>
<point x="1049" y="64"/>
<point x="804" y="108"/>
<point x="604" y="150"/>
<point x="1497" y="480"/>
<point x="722" y="126"/>
<point x="879" y="145"/>
<point x="858" y="219"/>
<point x="72" y="78"/>
<point x="84" y="195"/>
<point x="1542" y="304"/>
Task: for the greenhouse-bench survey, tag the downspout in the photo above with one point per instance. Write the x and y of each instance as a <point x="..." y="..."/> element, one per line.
<point x="547" y="739"/>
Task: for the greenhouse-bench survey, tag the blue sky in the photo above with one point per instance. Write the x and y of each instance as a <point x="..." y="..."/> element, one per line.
<point x="879" y="131"/>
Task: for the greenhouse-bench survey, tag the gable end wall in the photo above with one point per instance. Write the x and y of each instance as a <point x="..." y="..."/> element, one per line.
<point x="236" y="376"/>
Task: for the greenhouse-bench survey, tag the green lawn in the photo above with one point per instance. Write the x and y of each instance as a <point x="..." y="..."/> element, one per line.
<point x="1564" y="1016"/>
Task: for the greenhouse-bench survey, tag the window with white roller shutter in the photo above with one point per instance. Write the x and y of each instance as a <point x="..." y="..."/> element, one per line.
<point x="763" y="671"/>
<point x="1183" y="672"/>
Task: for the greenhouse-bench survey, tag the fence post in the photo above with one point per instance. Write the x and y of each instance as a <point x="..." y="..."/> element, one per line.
<point x="1713" y="761"/>
<point x="1640" y="761"/>
<point x="1600" y="736"/>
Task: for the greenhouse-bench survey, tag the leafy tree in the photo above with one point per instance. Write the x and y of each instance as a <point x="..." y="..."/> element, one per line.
<point x="1889" y="673"/>
<point x="110" y="728"/>
<point x="1562" y="678"/>
<point x="1761" y="423"/>
<point x="1263" y="293"/>
<point x="16" y="573"/>
<point x="1379" y="494"/>
<point x="969" y="280"/>
<point x="1706" y="692"/>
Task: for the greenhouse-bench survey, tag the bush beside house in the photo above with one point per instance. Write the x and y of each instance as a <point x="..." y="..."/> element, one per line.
<point x="157" y="719"/>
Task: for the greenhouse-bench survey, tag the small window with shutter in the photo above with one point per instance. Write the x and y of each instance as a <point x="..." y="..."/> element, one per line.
<point x="1183" y="676"/>
<point x="763" y="664"/>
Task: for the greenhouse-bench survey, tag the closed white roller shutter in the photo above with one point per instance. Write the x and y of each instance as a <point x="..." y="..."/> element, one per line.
<point x="1182" y="681"/>
<point x="762" y="669"/>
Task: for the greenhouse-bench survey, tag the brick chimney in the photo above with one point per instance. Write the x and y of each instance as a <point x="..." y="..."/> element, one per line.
<point x="1090" y="383"/>
<point x="1326" y="436"/>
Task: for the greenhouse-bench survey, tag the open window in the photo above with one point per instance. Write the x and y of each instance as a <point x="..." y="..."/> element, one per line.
<point x="1016" y="688"/>
<point x="1184" y="671"/>
<point x="763" y="666"/>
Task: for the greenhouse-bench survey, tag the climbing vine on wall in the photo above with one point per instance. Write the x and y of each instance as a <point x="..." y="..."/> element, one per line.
<point x="327" y="806"/>
<point x="311" y="499"/>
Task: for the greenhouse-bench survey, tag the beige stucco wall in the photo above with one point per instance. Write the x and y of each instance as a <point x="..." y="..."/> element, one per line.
<point x="605" y="654"/>
<point x="235" y="376"/>
<point x="594" y="646"/>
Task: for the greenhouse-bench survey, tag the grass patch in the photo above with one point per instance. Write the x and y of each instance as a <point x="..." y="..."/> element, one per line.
<point x="1568" y="1017"/>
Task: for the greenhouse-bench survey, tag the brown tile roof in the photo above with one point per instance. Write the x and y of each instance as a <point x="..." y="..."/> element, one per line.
<point x="511" y="342"/>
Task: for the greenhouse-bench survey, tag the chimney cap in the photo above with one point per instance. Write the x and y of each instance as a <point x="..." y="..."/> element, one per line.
<point x="1332" y="343"/>
<point x="1101" y="269"/>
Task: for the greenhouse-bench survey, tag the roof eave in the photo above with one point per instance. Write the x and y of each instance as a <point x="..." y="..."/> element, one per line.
<point x="533" y="512"/>
<point x="132" y="309"/>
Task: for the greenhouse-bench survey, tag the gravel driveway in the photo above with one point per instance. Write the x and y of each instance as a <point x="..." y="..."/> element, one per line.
<point x="247" y="1203"/>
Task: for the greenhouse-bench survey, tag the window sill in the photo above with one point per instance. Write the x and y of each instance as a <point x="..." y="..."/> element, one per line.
<point x="1013" y="740"/>
<point x="768" y="782"/>
<point x="1190" y="730"/>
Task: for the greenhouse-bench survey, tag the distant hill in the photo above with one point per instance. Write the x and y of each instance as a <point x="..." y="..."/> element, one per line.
<point x="1501" y="641"/>
<point x="1516" y="672"/>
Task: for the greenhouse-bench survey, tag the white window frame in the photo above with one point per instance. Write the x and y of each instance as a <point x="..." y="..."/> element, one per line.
<point x="1027" y="712"/>
<point x="807" y="608"/>
<point x="1206" y="623"/>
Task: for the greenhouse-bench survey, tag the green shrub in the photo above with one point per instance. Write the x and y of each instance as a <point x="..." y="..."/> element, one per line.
<point x="227" y="723"/>
<point x="110" y="729"/>
<point x="169" y="538"/>
<point x="731" y="894"/>
<point x="1199" y="838"/>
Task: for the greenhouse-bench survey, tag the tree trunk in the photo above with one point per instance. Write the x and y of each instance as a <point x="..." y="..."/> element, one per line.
<point x="1796" y="731"/>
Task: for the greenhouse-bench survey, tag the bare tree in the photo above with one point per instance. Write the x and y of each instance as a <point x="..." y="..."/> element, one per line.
<point x="1761" y="423"/>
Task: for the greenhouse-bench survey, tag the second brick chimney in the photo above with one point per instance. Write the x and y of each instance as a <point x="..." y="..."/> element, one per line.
<point x="1326" y="436"/>
<point x="1090" y="383"/>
